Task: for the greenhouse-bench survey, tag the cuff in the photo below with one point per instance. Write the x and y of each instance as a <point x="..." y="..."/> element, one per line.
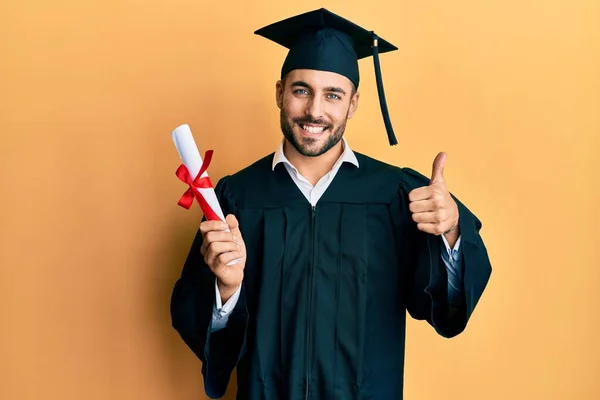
<point x="229" y="304"/>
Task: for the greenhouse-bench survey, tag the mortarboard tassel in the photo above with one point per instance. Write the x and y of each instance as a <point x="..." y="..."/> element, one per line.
<point x="382" y="102"/>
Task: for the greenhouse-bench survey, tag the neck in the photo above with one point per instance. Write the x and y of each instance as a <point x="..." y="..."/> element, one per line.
<point x="313" y="168"/>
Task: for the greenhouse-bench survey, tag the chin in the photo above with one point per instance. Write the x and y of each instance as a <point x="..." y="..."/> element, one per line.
<point x="308" y="143"/>
<point x="313" y="147"/>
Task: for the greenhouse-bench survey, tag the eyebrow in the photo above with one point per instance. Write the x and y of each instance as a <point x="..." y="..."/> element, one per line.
<point x="333" y="89"/>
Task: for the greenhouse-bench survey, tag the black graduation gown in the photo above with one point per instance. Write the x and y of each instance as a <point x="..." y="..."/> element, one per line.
<point x="321" y="314"/>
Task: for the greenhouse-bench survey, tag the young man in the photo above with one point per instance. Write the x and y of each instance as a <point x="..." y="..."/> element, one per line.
<point x="306" y="289"/>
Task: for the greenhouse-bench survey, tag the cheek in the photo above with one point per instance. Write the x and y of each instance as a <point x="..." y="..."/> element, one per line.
<point x="293" y="106"/>
<point x="338" y="113"/>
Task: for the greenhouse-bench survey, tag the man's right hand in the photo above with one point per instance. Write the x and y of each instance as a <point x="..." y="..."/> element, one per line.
<point x="220" y="247"/>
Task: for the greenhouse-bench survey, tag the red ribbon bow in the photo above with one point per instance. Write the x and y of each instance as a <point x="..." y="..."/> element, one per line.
<point x="187" y="198"/>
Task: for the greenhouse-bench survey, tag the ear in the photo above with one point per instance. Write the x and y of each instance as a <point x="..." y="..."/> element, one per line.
<point x="279" y="93"/>
<point x="353" y="104"/>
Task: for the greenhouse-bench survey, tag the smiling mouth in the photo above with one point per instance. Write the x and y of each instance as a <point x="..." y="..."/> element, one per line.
<point x="315" y="130"/>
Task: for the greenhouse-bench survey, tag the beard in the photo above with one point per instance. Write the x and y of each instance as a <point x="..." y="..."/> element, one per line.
<point x="308" y="146"/>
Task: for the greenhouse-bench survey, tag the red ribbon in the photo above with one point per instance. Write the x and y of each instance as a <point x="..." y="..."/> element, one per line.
<point x="187" y="198"/>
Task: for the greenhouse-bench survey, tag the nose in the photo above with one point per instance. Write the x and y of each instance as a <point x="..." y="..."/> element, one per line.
<point x="314" y="108"/>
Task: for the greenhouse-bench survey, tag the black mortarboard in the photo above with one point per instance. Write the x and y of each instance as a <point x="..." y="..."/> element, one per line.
<point x="325" y="41"/>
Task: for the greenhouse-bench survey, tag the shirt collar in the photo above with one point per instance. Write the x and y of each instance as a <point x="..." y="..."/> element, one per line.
<point x="347" y="155"/>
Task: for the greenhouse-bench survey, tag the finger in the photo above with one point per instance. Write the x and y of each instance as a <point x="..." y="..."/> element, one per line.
<point x="437" y="174"/>
<point x="220" y="267"/>
<point x="215" y="236"/>
<point x="219" y="236"/>
<point x="222" y="247"/>
<point x="422" y="206"/>
<point x="234" y="227"/>
<point x="434" y="217"/>
<point x="208" y="226"/>
<point x="226" y="258"/>
<point x="224" y="236"/>
<point x="434" y="229"/>
<point x="232" y="222"/>
<point x="422" y="193"/>
<point x="425" y="217"/>
<point x="215" y="249"/>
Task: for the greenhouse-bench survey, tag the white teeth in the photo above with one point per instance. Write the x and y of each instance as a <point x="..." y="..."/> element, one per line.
<point x="313" y="129"/>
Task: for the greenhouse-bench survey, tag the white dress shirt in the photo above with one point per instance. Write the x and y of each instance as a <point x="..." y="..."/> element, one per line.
<point x="451" y="257"/>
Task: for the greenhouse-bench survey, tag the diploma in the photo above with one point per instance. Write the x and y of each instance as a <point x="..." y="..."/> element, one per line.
<point x="200" y="187"/>
<point x="194" y="172"/>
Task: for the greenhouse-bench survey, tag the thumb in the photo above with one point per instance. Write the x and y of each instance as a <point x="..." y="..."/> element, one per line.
<point x="437" y="174"/>
<point x="232" y="222"/>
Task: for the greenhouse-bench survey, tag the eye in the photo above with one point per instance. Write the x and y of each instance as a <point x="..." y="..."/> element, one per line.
<point x="334" y="96"/>
<point x="300" y="91"/>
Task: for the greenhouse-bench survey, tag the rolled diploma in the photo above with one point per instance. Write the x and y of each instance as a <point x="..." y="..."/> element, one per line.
<point x="190" y="157"/>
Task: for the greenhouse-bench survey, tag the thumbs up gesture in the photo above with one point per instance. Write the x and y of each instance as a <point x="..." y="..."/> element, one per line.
<point x="433" y="208"/>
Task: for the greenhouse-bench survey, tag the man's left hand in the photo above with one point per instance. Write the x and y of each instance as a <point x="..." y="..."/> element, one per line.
<point x="433" y="208"/>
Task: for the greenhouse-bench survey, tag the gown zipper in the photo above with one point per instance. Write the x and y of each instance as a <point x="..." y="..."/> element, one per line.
<point x="310" y="302"/>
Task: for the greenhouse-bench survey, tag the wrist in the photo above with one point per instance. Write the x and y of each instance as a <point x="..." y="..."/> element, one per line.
<point x="454" y="227"/>
<point x="452" y="234"/>
<point x="226" y="291"/>
<point x="452" y="230"/>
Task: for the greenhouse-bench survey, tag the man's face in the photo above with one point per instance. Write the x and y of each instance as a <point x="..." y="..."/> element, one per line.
<point x="315" y="106"/>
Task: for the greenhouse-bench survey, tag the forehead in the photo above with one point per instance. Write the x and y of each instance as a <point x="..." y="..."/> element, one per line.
<point x="318" y="79"/>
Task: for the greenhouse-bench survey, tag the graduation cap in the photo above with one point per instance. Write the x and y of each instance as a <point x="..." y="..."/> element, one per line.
<point x="322" y="40"/>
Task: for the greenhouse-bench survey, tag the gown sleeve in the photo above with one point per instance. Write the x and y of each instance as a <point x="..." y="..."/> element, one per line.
<point x="426" y="276"/>
<point x="192" y="303"/>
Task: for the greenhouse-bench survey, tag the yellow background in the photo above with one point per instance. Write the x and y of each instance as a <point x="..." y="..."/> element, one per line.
<point x="92" y="239"/>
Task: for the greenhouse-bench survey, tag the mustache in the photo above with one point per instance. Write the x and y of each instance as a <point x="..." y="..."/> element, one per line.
<point x="308" y="120"/>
